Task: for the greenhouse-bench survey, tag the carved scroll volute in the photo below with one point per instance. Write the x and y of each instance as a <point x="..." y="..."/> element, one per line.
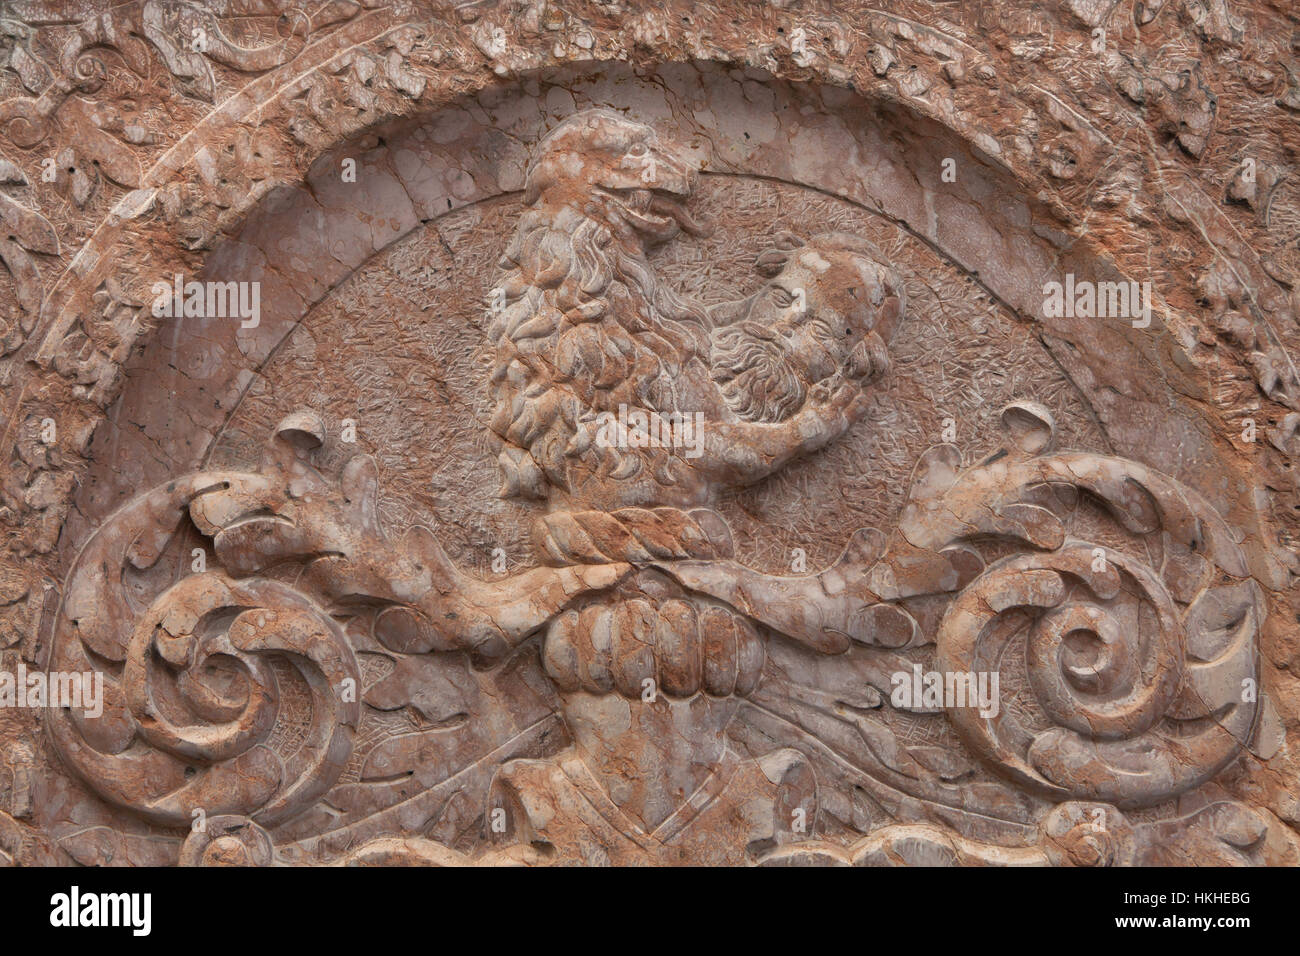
<point x="234" y="694"/>
<point x="229" y="701"/>
<point x="221" y="695"/>
<point x="1132" y="686"/>
<point x="1137" y="715"/>
<point x="207" y="621"/>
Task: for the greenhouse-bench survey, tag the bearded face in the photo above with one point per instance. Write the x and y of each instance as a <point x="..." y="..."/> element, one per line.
<point x="757" y="376"/>
<point x="814" y="321"/>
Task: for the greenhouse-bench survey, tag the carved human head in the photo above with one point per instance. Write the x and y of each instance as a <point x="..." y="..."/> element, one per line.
<point x="828" y="310"/>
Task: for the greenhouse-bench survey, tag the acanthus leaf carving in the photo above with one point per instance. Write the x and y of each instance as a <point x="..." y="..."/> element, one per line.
<point x="1130" y="670"/>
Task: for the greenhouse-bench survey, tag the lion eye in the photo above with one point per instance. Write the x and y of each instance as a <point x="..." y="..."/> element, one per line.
<point x="782" y="297"/>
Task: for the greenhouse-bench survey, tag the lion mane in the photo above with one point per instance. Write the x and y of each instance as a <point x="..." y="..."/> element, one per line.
<point x="583" y="325"/>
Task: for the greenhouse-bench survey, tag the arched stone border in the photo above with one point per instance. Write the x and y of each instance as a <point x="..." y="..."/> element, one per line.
<point x="300" y="241"/>
<point x="431" y="54"/>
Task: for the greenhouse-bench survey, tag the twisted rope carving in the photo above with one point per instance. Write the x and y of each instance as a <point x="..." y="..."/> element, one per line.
<point x="635" y="535"/>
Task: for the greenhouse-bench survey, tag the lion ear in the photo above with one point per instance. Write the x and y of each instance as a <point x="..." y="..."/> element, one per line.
<point x="788" y="241"/>
<point x="539" y="175"/>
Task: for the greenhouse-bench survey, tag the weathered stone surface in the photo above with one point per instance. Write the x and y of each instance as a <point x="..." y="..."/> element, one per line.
<point x="579" y="433"/>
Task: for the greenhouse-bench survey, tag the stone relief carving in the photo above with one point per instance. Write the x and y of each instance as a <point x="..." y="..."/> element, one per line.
<point x="234" y="692"/>
<point x="1051" y="651"/>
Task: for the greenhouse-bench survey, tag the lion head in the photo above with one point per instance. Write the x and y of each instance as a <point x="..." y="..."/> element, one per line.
<point x="586" y="325"/>
<point x="615" y="169"/>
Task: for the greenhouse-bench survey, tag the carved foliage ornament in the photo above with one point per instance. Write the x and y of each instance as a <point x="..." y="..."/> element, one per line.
<point x="1129" y="672"/>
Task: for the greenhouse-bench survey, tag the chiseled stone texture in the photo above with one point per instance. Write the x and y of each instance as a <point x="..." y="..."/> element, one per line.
<point x="649" y="418"/>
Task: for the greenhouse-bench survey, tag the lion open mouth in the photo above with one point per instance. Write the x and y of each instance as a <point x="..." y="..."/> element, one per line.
<point x="655" y="213"/>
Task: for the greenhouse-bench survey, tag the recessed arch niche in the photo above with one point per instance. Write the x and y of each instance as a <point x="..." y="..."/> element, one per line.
<point x="184" y="389"/>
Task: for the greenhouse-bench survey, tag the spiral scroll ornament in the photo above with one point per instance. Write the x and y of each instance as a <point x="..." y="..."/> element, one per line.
<point x="1131" y="701"/>
<point x="233" y="692"/>
<point x="228" y="701"/>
